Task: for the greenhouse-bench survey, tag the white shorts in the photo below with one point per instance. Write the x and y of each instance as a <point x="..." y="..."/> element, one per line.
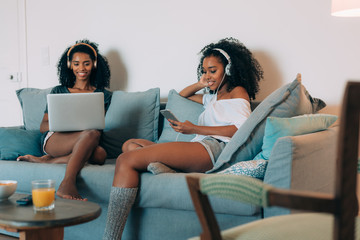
<point x="48" y="135"/>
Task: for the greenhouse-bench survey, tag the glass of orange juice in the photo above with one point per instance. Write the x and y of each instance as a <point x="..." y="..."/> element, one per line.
<point x="43" y="195"/>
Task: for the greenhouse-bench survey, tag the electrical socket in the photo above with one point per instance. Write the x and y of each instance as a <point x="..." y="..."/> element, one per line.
<point x="15" y="77"/>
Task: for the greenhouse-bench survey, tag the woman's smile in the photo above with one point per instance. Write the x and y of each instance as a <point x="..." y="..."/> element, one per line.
<point x="81" y="74"/>
<point x="211" y="82"/>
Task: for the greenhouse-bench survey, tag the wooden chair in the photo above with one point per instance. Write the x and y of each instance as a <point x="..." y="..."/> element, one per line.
<point x="326" y="216"/>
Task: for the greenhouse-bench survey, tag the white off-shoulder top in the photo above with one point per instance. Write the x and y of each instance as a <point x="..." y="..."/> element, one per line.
<point x="223" y="112"/>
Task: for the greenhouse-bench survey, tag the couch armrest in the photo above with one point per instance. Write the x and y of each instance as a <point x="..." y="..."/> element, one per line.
<point x="305" y="162"/>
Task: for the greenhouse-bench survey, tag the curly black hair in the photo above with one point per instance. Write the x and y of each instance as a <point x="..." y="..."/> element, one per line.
<point x="100" y="76"/>
<point x="245" y="70"/>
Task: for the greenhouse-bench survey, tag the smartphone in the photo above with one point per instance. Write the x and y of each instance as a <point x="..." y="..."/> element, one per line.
<point x="168" y="115"/>
<point x="25" y="200"/>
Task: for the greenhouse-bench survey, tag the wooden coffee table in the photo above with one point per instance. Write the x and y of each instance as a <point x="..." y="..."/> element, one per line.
<point x="45" y="225"/>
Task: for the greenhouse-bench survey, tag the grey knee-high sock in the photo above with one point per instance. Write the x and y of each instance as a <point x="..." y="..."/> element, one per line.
<point x="120" y="203"/>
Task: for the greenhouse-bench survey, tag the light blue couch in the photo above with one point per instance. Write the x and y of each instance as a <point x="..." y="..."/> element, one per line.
<point x="163" y="209"/>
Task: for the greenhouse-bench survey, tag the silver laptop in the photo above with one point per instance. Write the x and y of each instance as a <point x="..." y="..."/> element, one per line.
<point x="76" y="111"/>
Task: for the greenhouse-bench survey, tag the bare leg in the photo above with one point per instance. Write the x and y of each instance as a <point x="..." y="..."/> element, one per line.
<point x="129" y="164"/>
<point x="78" y="147"/>
<point x="98" y="157"/>
<point x="126" y="179"/>
<point x="133" y="144"/>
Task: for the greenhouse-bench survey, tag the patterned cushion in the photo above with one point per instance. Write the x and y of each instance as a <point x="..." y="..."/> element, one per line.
<point x="251" y="168"/>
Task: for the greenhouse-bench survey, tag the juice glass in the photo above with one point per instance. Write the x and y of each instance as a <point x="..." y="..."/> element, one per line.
<point x="43" y="195"/>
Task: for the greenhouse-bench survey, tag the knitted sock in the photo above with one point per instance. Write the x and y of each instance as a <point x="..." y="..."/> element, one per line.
<point x="120" y="203"/>
<point x="158" y="167"/>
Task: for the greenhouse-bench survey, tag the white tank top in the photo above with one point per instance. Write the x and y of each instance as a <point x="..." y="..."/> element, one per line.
<point x="223" y="112"/>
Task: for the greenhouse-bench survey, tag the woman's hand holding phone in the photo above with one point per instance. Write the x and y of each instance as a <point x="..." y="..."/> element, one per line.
<point x="183" y="127"/>
<point x="169" y="116"/>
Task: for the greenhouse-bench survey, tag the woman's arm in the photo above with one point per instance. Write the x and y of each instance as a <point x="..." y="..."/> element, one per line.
<point x="226" y="131"/>
<point x="189" y="128"/>
<point x="44" y="126"/>
<point x="189" y="91"/>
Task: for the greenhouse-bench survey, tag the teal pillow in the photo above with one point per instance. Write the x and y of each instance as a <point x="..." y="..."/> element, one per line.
<point x="33" y="104"/>
<point x="184" y="109"/>
<point x="16" y="142"/>
<point x="287" y="101"/>
<point x="280" y="127"/>
<point x="130" y="115"/>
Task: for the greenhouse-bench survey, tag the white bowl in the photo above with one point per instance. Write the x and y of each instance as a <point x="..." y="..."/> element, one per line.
<point x="7" y="188"/>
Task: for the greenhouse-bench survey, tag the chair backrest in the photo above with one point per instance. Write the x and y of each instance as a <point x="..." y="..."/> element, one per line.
<point x="347" y="160"/>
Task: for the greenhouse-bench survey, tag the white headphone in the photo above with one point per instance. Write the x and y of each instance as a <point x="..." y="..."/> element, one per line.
<point x="228" y="66"/>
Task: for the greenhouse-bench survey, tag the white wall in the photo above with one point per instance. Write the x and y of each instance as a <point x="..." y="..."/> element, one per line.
<point x="12" y="60"/>
<point x="155" y="43"/>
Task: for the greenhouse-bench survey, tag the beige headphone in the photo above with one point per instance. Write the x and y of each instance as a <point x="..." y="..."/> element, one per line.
<point x="85" y="44"/>
<point x="228" y="66"/>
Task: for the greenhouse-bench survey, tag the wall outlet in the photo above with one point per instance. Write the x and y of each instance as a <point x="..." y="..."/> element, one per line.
<point x="15" y="77"/>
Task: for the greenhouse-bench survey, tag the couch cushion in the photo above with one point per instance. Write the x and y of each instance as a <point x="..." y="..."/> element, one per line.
<point x="170" y="190"/>
<point x="17" y="142"/>
<point x="131" y="115"/>
<point x="33" y="104"/>
<point x="287" y="101"/>
<point x="93" y="182"/>
<point x="280" y="127"/>
<point x="184" y="109"/>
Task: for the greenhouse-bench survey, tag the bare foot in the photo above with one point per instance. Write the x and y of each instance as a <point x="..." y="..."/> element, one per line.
<point x="31" y="158"/>
<point x="69" y="191"/>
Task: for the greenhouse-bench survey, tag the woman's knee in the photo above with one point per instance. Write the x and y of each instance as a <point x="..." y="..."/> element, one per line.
<point x="129" y="145"/>
<point x="129" y="160"/>
<point x="133" y="160"/>
<point x="122" y="163"/>
<point x="123" y="159"/>
<point x="92" y="135"/>
<point x="133" y="144"/>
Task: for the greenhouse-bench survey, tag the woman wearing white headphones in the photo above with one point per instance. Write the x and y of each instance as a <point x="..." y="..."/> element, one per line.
<point x="231" y="73"/>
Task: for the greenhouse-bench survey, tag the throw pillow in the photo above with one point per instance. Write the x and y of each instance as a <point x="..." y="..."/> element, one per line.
<point x="251" y="168"/>
<point x="33" y="104"/>
<point x="280" y="127"/>
<point x="287" y="101"/>
<point x="15" y="142"/>
<point x="131" y="115"/>
<point x="184" y="109"/>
